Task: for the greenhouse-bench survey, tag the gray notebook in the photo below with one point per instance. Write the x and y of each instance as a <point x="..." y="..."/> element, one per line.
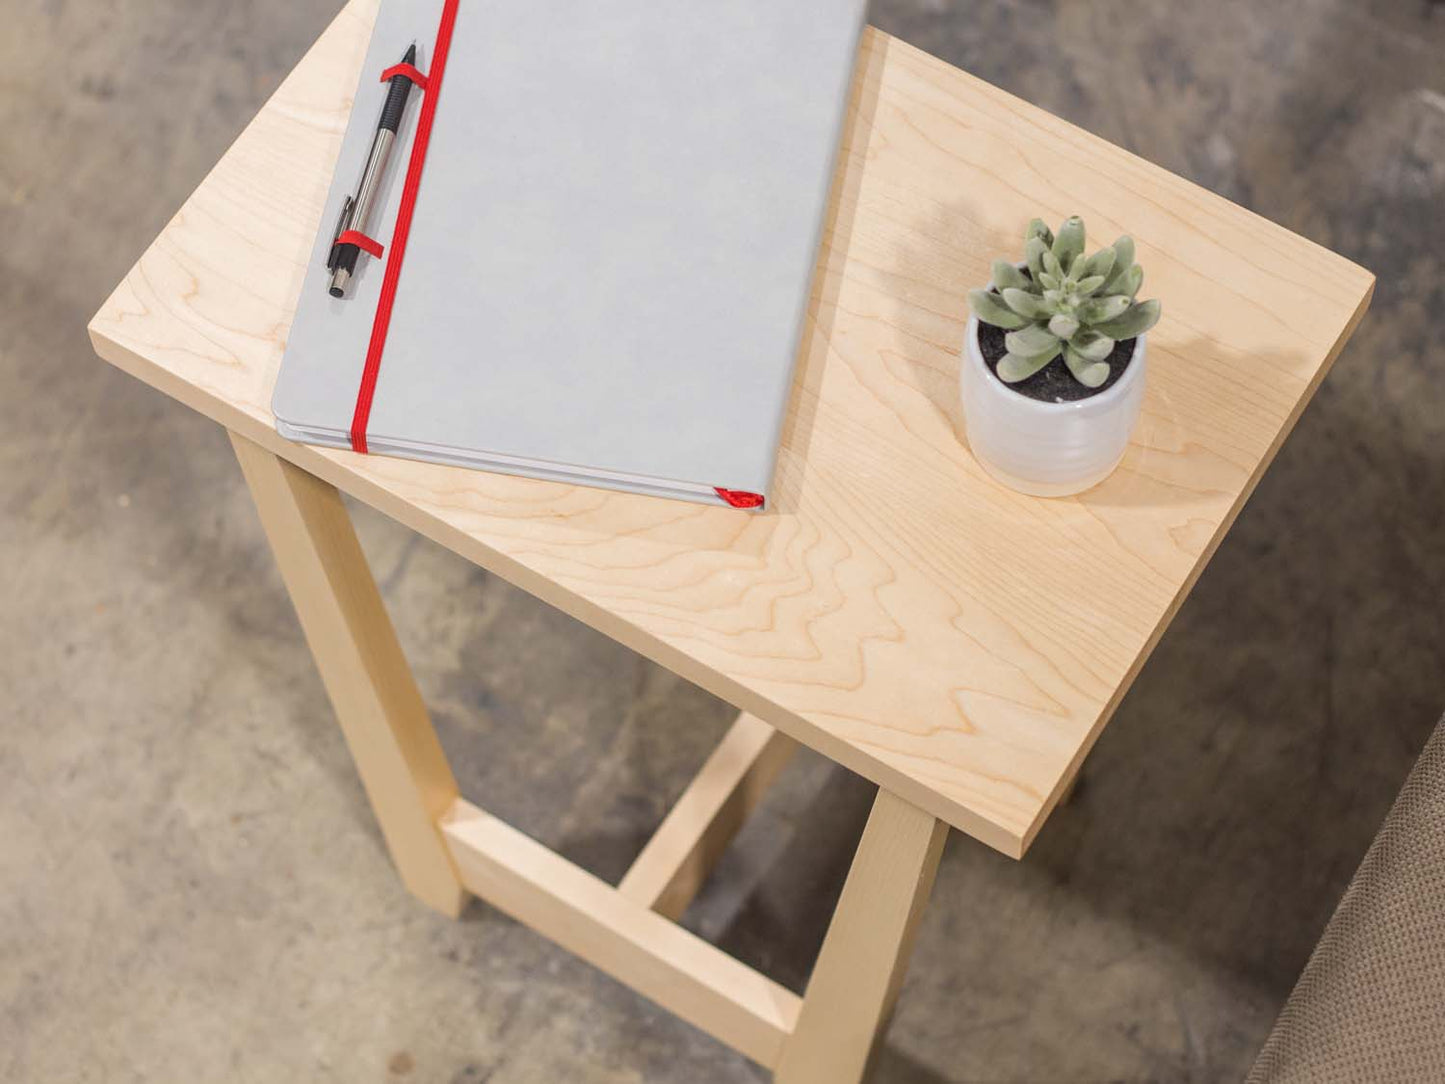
<point x="612" y="247"/>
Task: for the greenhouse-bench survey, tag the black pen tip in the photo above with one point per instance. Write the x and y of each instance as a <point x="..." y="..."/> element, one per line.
<point x="410" y="57"/>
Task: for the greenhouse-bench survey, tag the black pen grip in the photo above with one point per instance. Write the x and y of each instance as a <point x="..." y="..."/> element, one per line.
<point x="399" y="88"/>
<point x="343" y="258"/>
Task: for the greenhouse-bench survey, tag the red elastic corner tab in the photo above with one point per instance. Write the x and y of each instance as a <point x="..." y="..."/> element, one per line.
<point x="407" y="70"/>
<point x="361" y="241"/>
<point x="739" y="498"/>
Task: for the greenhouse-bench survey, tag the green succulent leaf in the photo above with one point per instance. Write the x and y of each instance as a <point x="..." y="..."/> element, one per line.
<point x="1064" y="326"/>
<point x="1089" y="285"/>
<point x="1101" y="309"/>
<point x="1034" y="252"/>
<point x="1068" y="245"/>
<point x="1091" y="374"/>
<point x="1048" y="281"/>
<point x="989" y="308"/>
<point x="1032" y="341"/>
<point x="1040" y="229"/>
<point x="1131" y="282"/>
<point x="1092" y="345"/>
<point x="1029" y="306"/>
<point x="1133" y="323"/>
<point x="1123" y="260"/>
<point x="1052" y="264"/>
<point x="1007" y="275"/>
<point x="1012" y="368"/>
<point x="1100" y="263"/>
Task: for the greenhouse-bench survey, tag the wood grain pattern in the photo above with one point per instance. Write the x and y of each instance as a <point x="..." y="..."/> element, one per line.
<point x="682" y="852"/>
<point x="401" y="763"/>
<point x="959" y="644"/>
<point x="628" y="940"/>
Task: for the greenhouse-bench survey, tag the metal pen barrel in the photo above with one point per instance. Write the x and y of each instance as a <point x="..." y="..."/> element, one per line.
<point x="357" y="213"/>
<point x="361" y="210"/>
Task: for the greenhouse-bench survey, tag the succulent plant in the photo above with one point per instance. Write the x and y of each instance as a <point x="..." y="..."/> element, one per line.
<point x="1066" y="304"/>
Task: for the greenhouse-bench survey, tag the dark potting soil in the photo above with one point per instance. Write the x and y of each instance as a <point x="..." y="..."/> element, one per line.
<point x="1053" y="383"/>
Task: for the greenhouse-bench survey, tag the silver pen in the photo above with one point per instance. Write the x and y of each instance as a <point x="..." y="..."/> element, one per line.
<point x="356" y="211"/>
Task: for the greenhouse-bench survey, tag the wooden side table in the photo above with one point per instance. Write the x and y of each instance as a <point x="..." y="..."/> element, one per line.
<point x="958" y="644"/>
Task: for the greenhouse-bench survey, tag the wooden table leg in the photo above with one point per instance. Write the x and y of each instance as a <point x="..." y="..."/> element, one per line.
<point x="856" y="979"/>
<point x="381" y="712"/>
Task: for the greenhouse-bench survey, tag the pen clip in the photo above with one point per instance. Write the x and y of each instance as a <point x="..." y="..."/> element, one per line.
<point x="343" y="223"/>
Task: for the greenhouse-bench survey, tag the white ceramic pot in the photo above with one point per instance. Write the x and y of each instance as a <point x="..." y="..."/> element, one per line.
<point x="1047" y="449"/>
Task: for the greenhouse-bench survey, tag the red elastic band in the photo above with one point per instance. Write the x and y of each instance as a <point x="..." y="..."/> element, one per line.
<point x="406" y="70"/>
<point x="361" y="241"/>
<point x="399" y="235"/>
<point x="739" y="498"/>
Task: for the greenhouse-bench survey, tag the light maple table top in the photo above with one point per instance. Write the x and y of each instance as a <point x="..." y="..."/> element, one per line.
<point x="958" y="643"/>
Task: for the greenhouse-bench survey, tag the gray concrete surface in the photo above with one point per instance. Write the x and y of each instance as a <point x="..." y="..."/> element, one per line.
<point x="190" y="885"/>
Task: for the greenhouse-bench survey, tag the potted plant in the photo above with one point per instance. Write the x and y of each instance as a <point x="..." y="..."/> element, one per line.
<point x="1054" y="362"/>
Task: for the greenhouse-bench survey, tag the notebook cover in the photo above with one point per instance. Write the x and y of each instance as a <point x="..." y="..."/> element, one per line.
<point x="613" y="244"/>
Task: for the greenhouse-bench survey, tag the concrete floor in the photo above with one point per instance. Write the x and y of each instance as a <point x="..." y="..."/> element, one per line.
<point x="191" y="888"/>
